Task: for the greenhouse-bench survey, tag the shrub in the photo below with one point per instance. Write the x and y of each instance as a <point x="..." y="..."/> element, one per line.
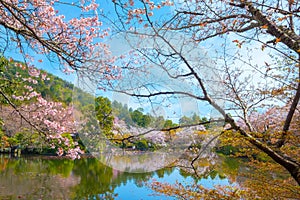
<point x="142" y="145"/>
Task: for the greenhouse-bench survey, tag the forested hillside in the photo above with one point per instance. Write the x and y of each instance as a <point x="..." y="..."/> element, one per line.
<point x="52" y="87"/>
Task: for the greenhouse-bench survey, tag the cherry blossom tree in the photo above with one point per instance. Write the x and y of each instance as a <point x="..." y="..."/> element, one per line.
<point x="260" y="96"/>
<point x="31" y="111"/>
<point x="40" y="30"/>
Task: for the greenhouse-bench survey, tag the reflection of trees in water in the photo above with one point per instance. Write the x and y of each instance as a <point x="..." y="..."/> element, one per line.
<point x="138" y="161"/>
<point x="52" y="178"/>
<point x="35" y="179"/>
<point x="209" y="165"/>
<point x="95" y="179"/>
<point x="99" y="179"/>
<point x="87" y="178"/>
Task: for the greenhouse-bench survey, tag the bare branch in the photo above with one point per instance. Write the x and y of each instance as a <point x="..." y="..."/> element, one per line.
<point x="160" y="94"/>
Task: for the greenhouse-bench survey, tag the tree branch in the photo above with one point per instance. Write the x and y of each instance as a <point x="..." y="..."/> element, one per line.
<point x="291" y="112"/>
<point x="161" y="93"/>
<point x="289" y="39"/>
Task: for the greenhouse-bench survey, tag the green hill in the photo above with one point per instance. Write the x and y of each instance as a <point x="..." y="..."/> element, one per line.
<point x="53" y="88"/>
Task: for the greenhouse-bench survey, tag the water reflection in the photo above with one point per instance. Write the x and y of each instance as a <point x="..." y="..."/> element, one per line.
<point x="57" y="178"/>
<point x="137" y="162"/>
<point x="36" y="178"/>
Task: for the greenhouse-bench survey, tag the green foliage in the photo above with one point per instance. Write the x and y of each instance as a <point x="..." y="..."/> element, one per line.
<point x="12" y="141"/>
<point x="137" y="117"/>
<point x="140" y="119"/>
<point x="131" y="117"/>
<point x="104" y="115"/>
<point x="142" y="145"/>
<point x="63" y="167"/>
<point x="195" y="119"/>
<point x="169" y="124"/>
<point x="9" y="83"/>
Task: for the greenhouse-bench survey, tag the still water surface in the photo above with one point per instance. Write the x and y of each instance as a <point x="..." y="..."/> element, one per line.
<point x="37" y="177"/>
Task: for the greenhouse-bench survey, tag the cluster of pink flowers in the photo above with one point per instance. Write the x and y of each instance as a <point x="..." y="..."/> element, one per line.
<point x="157" y="137"/>
<point x="70" y="40"/>
<point x="52" y="118"/>
<point x="137" y="13"/>
<point x="26" y="96"/>
<point x="272" y="119"/>
<point x="32" y="71"/>
<point x="74" y="153"/>
<point x="55" y="120"/>
<point x="20" y="98"/>
<point x="30" y="80"/>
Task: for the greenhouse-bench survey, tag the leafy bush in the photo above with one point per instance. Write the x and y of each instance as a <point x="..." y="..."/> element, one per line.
<point x="142" y="145"/>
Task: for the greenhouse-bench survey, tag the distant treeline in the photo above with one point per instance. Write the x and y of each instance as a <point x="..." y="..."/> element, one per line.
<point x="139" y="118"/>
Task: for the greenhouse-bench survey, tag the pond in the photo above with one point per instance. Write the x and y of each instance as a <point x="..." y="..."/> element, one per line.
<point x="45" y="177"/>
